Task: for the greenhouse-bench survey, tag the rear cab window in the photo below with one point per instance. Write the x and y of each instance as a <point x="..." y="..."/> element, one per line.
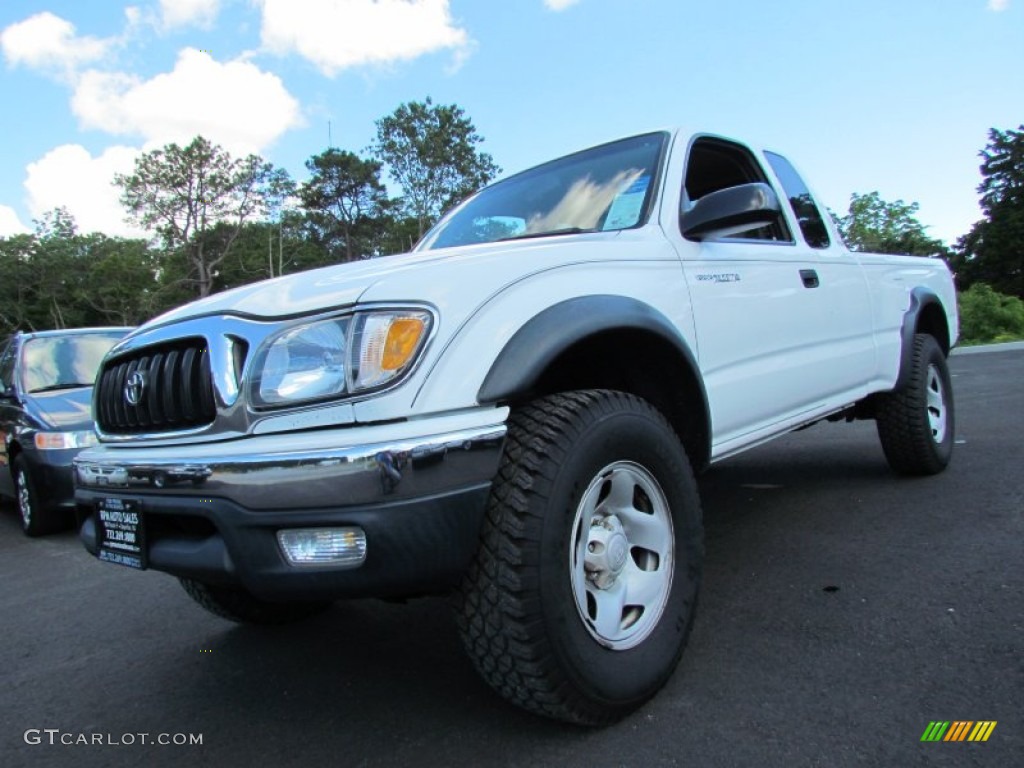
<point x="801" y="202"/>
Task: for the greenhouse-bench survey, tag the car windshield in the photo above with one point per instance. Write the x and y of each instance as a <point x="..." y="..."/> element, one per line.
<point x="606" y="188"/>
<point x="49" y="363"/>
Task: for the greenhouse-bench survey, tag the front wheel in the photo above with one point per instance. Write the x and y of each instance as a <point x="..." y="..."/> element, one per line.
<point x="36" y="520"/>
<point x="583" y="592"/>
<point x="238" y="605"/>
<point x="916" y="422"/>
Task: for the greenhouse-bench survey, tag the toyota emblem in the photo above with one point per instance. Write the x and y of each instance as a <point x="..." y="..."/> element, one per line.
<point x="135" y="388"/>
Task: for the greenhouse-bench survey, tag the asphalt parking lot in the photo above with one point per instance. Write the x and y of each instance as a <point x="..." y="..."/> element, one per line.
<point x="843" y="609"/>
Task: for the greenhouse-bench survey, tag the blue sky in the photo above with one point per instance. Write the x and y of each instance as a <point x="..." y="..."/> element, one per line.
<point x="894" y="95"/>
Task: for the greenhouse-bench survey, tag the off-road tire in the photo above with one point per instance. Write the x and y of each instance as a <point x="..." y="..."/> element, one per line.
<point x="908" y="417"/>
<point x="238" y="605"/>
<point x="517" y="610"/>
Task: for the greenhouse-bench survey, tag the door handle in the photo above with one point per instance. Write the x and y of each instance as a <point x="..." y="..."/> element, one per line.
<point x="810" y="278"/>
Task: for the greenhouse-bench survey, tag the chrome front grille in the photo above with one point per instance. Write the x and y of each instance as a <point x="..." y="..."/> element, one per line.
<point x="163" y="388"/>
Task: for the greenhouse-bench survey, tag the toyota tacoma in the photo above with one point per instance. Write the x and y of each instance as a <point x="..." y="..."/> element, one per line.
<point x="515" y="411"/>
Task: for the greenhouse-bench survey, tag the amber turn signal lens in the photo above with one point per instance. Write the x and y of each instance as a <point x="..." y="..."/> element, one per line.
<point x="403" y="338"/>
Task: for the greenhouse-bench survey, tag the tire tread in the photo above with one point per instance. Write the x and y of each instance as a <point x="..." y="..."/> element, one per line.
<point x="497" y="608"/>
<point x="902" y="424"/>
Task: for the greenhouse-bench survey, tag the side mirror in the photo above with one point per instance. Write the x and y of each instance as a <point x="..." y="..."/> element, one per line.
<point x="731" y="210"/>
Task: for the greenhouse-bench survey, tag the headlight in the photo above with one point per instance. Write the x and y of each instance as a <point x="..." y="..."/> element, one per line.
<point x="339" y="356"/>
<point x="58" y="441"/>
<point x="305" y="363"/>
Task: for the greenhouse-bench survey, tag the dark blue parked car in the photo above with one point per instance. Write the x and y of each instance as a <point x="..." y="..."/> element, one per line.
<point x="46" y="383"/>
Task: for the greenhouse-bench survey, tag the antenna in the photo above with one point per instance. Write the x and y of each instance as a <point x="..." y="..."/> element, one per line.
<point x="329" y="142"/>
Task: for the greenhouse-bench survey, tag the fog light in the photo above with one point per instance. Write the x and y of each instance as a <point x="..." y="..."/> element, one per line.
<point x="337" y="547"/>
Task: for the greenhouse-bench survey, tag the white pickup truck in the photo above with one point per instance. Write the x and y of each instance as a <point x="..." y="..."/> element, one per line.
<point x="514" y="412"/>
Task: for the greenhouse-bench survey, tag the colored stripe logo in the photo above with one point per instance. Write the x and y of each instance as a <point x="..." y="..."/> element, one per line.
<point x="958" y="730"/>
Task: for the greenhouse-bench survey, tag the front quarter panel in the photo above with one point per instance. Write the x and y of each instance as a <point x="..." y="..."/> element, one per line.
<point x="476" y="325"/>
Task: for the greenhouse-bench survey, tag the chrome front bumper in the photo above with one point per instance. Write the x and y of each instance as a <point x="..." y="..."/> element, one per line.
<point x="212" y="511"/>
<point x="322" y="468"/>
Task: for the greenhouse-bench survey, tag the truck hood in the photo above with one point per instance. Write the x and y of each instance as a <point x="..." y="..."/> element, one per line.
<point x="343" y="285"/>
<point x="340" y="285"/>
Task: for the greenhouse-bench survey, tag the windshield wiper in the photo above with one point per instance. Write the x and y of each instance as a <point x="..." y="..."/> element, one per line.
<point x="55" y="387"/>
<point x="549" y="233"/>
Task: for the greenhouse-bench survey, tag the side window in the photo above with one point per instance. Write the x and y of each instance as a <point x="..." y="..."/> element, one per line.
<point x="7" y="365"/>
<point x="715" y="164"/>
<point x="804" y="208"/>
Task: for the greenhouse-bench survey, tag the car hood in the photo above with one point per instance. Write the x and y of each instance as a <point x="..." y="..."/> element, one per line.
<point x="66" y="409"/>
<point x="412" y="276"/>
<point x="337" y="286"/>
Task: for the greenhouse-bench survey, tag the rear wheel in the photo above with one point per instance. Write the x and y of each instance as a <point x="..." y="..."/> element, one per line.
<point x="916" y="422"/>
<point x="583" y="592"/>
<point x="238" y="605"/>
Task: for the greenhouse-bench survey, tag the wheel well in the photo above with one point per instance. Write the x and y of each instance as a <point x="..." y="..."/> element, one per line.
<point x="932" y="321"/>
<point x="641" y="363"/>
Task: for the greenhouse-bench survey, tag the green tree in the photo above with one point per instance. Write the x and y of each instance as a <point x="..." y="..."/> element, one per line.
<point x="986" y="315"/>
<point x="270" y="249"/>
<point x="57" y="224"/>
<point x="874" y="225"/>
<point x="398" y="231"/>
<point x="59" y="278"/>
<point x="993" y="251"/>
<point x="18" y="310"/>
<point x="431" y="152"/>
<point x="119" y="284"/>
<point x="183" y="193"/>
<point x="345" y="199"/>
<point x="55" y="268"/>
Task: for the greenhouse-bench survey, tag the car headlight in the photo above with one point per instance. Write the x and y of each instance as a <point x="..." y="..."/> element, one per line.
<point x="59" y="441"/>
<point x="342" y="355"/>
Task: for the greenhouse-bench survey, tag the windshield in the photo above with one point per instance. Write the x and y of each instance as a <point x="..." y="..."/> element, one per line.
<point x="50" y="363"/>
<point x="598" y="190"/>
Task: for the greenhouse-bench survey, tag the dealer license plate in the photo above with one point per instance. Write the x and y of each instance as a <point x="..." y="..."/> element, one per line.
<point x="122" y="533"/>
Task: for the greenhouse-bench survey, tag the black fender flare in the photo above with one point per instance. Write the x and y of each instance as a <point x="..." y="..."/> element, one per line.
<point x="920" y="299"/>
<point x="540" y="341"/>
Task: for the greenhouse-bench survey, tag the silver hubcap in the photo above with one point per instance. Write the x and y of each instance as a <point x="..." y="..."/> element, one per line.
<point x="936" y="405"/>
<point x="24" y="500"/>
<point x="622" y="555"/>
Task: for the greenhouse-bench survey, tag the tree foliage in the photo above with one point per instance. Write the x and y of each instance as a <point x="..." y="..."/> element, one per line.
<point x="270" y="249"/>
<point x="987" y="316"/>
<point x="346" y="201"/>
<point x="19" y="308"/>
<point x="59" y="278"/>
<point x="993" y="251"/>
<point x="431" y="152"/>
<point x="874" y="225"/>
<point x="183" y="193"/>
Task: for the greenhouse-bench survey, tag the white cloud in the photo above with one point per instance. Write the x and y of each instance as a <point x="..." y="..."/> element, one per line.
<point x="10" y="224"/>
<point x="69" y="176"/>
<point x="338" y="34"/>
<point x="998" y="5"/>
<point x="48" y="43"/>
<point x="233" y="104"/>
<point x="180" y="13"/>
<point x="559" y="5"/>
